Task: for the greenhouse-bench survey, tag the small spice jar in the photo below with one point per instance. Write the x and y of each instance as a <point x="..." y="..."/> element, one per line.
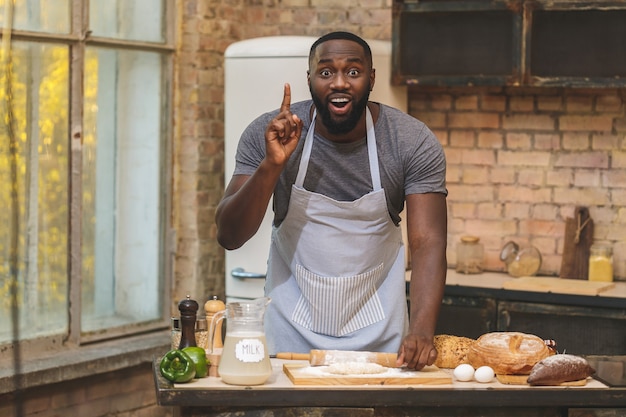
<point x="202" y="333"/>
<point x="469" y="255"/>
<point x="600" y="263"/>
<point x="176" y="334"/>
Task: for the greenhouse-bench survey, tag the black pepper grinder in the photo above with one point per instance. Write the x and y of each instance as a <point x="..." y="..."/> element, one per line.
<point x="188" y="309"/>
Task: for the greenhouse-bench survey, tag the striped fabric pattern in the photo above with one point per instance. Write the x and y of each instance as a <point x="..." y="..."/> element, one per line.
<point x="337" y="306"/>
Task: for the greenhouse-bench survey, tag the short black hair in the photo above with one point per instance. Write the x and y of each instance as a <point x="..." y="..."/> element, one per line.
<point x="342" y="36"/>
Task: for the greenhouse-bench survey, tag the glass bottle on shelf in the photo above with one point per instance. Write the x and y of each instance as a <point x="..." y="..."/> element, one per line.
<point x="520" y="262"/>
<point x="600" y="263"/>
<point x="469" y="255"/>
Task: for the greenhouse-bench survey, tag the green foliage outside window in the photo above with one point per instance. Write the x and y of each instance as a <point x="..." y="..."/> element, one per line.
<point x="35" y="122"/>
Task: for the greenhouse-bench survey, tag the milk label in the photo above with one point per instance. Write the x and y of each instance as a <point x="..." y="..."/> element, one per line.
<point x="250" y="350"/>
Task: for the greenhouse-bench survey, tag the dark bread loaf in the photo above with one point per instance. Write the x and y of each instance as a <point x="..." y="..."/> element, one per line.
<point x="556" y="369"/>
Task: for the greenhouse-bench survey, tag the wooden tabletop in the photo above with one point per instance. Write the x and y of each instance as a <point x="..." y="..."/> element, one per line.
<point x="280" y="391"/>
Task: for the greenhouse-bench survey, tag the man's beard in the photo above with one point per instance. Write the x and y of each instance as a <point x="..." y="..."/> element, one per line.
<point x="346" y="125"/>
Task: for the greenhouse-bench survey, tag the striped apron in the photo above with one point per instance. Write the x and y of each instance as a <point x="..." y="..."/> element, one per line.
<point x="336" y="271"/>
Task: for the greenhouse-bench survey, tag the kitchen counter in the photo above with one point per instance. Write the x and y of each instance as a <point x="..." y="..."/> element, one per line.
<point x="492" y="284"/>
<point x="498" y="280"/>
<point x="280" y="397"/>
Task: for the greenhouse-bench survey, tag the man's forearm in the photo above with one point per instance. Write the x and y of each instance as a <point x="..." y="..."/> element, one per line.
<point x="241" y="211"/>
<point x="427" y="285"/>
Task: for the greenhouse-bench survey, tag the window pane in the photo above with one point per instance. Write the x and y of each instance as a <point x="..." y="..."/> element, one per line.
<point x="121" y="188"/>
<point x="34" y="164"/>
<point x="139" y="20"/>
<point x="51" y="16"/>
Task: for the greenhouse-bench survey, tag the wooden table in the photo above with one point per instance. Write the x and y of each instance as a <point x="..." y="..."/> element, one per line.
<point x="280" y="397"/>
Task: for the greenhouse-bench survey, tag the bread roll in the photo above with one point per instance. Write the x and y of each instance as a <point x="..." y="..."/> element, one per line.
<point x="508" y="353"/>
<point x="451" y="350"/>
<point x="560" y="368"/>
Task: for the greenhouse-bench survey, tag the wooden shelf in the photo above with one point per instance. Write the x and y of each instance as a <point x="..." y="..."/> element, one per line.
<point x="509" y="43"/>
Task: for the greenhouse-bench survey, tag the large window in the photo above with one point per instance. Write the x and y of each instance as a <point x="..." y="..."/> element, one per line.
<point x="84" y="129"/>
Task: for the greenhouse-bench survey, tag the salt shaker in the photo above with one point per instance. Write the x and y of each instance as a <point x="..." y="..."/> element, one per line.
<point x="214" y="345"/>
<point x="211" y="307"/>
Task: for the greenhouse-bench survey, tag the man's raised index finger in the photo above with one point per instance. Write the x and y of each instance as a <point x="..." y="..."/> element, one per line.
<point x="286" y="104"/>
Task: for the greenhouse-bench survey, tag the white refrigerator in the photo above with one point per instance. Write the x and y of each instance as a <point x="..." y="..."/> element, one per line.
<point x="255" y="71"/>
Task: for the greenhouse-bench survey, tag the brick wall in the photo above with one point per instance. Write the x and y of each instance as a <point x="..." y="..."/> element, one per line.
<point x="125" y="393"/>
<point x="520" y="160"/>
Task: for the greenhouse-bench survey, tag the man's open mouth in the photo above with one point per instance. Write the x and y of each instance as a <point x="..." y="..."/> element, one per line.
<point x="340" y="105"/>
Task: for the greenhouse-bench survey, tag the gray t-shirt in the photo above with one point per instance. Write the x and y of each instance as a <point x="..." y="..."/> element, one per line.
<point x="410" y="157"/>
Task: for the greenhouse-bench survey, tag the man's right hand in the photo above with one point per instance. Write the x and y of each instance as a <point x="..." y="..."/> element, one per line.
<point x="282" y="133"/>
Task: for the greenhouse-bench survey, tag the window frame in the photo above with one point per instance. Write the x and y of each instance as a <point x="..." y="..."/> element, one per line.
<point x="77" y="42"/>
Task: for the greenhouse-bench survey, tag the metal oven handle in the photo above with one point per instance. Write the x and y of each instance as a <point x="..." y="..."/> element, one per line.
<point x="241" y="273"/>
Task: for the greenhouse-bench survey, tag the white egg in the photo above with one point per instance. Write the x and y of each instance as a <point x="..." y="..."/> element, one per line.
<point x="484" y="374"/>
<point x="464" y="372"/>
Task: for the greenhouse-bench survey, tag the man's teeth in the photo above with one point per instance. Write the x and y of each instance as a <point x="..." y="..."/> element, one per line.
<point x="339" y="100"/>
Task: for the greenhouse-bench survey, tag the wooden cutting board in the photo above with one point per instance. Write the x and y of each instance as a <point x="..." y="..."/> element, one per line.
<point x="316" y="375"/>
<point x="576" y="245"/>
<point x="557" y="285"/>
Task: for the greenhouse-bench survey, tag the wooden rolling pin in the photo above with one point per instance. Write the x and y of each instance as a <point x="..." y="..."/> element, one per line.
<point x="319" y="357"/>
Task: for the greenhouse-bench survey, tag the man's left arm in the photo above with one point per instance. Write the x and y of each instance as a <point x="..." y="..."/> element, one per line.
<point x="427" y="236"/>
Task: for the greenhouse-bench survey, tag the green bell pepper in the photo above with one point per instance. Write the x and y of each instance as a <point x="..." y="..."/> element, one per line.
<point x="176" y="366"/>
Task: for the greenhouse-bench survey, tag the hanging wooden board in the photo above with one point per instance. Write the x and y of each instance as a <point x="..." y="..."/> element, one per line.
<point x="317" y="375"/>
<point x="577" y="241"/>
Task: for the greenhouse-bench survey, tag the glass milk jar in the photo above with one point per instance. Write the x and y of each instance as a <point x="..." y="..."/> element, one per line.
<point x="244" y="360"/>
